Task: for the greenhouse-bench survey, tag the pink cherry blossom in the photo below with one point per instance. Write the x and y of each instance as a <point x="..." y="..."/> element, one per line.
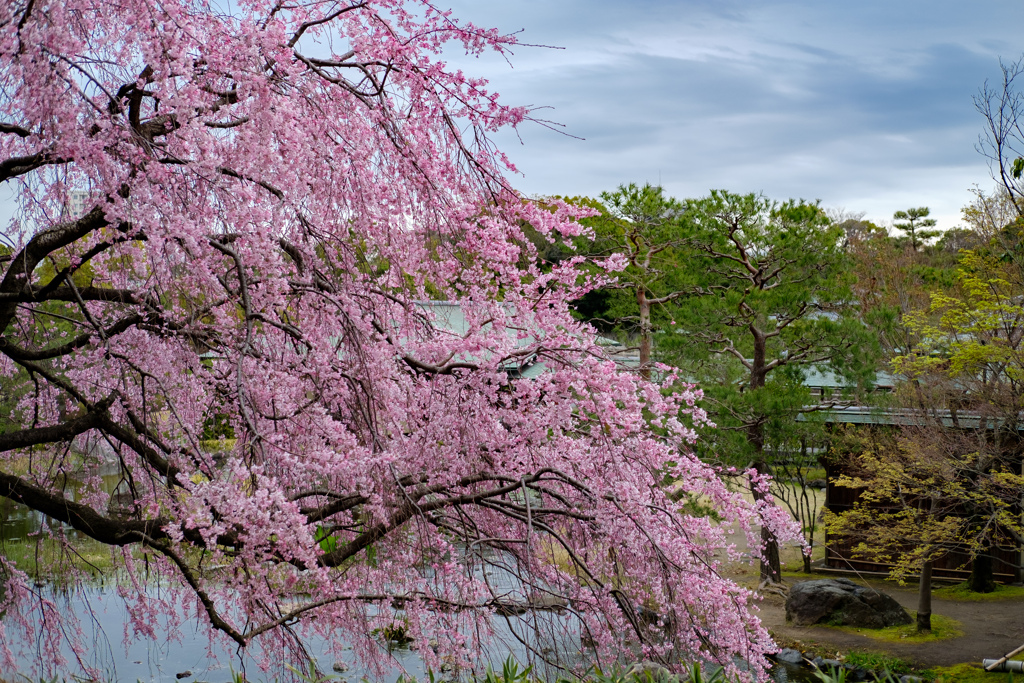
<point x="274" y="195"/>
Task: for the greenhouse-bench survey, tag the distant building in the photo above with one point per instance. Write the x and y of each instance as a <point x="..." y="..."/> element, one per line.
<point x="77" y="206"/>
<point x="448" y="316"/>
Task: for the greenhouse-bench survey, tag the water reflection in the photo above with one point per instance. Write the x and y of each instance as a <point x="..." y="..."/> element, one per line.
<point x="103" y="618"/>
<point x="791" y="673"/>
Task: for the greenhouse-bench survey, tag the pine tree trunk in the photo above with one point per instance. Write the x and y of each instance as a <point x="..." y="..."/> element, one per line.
<point x="924" y="599"/>
<point x="771" y="566"/>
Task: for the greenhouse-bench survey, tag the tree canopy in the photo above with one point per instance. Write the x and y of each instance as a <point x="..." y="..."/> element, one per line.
<point x="915" y="223"/>
<point x="270" y="197"/>
<point x="640" y="226"/>
<point x="768" y="301"/>
<point x="747" y="297"/>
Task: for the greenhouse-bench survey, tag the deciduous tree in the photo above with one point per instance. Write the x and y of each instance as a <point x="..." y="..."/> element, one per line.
<point x="969" y="365"/>
<point x="923" y="494"/>
<point x="1002" y="142"/>
<point x="271" y="192"/>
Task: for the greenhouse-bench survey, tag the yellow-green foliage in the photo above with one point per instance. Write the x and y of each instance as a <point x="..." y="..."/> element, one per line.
<point x="935" y="489"/>
<point x="921" y="496"/>
<point x="969" y="333"/>
<point x="218" y="445"/>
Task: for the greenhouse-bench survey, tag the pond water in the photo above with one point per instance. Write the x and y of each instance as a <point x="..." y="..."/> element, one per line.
<point x="103" y="617"/>
<point x="188" y="650"/>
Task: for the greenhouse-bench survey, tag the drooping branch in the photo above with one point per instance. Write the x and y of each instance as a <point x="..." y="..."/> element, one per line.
<point x="287" y="213"/>
<point x="39" y="247"/>
<point x="58" y="433"/>
<point x="18" y="166"/>
<point x="163" y="546"/>
<point x="81" y="517"/>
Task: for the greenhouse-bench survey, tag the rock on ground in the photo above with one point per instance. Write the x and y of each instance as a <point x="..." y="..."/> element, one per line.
<point x="789" y="656"/>
<point x="841" y="602"/>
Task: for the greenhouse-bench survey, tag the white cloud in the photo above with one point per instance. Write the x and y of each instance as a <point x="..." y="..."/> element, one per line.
<point x="865" y="105"/>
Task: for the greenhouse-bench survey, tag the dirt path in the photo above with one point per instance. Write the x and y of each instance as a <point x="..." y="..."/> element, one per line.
<point x="991" y="629"/>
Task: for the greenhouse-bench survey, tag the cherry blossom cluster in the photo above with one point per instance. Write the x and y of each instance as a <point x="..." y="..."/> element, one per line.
<point x="246" y="316"/>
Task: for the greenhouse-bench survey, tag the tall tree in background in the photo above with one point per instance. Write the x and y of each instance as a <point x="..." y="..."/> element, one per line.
<point x="271" y="193"/>
<point x="995" y="222"/>
<point x="768" y="299"/>
<point x="854" y="227"/>
<point x="639" y="225"/>
<point x="892" y="280"/>
<point x="915" y="223"/>
<point x="969" y="365"/>
<point x="1002" y="142"/>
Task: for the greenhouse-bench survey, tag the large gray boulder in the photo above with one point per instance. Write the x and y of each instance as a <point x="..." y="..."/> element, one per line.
<point x="841" y="602"/>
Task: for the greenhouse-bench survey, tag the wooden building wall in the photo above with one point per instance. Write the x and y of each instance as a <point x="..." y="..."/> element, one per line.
<point x="953" y="565"/>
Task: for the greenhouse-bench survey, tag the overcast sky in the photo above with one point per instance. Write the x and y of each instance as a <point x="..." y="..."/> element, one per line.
<point x="864" y="105"/>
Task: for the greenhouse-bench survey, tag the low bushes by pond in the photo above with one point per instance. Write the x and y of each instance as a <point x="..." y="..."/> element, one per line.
<point x="511" y="672"/>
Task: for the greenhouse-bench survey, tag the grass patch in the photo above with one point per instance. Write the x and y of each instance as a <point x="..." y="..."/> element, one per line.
<point x="792" y="561"/>
<point x="943" y="628"/>
<point x="812" y="473"/>
<point x="879" y="662"/>
<point x="960" y="592"/>
<point x="218" y="445"/>
<point x="800" y="574"/>
<point x="968" y="673"/>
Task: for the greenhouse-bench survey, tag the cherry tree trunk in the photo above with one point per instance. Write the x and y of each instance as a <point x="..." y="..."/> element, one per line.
<point x="645" y="332"/>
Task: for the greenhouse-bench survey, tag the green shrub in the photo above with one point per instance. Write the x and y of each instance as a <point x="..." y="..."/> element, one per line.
<point x="874" y="661"/>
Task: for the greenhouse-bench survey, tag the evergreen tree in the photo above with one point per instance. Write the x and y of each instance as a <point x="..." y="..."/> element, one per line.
<point x="915" y="223"/>
<point x="769" y="300"/>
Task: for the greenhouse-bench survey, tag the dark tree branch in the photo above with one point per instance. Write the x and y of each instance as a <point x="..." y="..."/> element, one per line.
<point x="17" y="166"/>
<point x="24" y="263"/>
<point x="16" y="130"/>
<point x="64" y="431"/>
<point x="118" y="532"/>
